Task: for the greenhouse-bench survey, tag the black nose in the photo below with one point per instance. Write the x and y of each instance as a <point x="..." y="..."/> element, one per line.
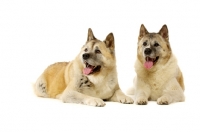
<point x="147" y="51"/>
<point x="86" y="56"/>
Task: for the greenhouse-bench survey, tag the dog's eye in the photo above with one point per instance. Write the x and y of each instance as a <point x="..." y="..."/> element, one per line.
<point x="145" y="44"/>
<point x="97" y="51"/>
<point x="86" y="50"/>
<point x="156" y="44"/>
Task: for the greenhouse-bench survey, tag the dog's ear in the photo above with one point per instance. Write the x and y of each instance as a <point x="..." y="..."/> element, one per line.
<point x="164" y="32"/>
<point x="109" y="41"/>
<point x="90" y="35"/>
<point x="143" y="32"/>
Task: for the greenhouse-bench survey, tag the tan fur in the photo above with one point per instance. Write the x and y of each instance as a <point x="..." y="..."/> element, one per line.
<point x="54" y="76"/>
<point x="164" y="81"/>
<point x="67" y="82"/>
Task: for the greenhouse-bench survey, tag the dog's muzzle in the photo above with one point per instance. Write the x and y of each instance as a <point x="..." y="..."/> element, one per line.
<point x="86" y="56"/>
<point x="147" y="51"/>
<point x="89" y="68"/>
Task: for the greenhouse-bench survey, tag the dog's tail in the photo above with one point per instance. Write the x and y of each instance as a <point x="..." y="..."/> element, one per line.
<point x="131" y="91"/>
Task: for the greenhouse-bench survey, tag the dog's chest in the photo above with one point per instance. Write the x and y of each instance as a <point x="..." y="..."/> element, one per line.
<point x="157" y="82"/>
<point x="104" y="91"/>
<point x="102" y="88"/>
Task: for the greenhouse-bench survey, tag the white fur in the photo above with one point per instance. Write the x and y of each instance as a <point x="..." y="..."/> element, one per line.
<point x="160" y="85"/>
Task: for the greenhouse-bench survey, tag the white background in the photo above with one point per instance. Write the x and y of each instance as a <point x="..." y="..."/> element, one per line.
<point x="34" y="34"/>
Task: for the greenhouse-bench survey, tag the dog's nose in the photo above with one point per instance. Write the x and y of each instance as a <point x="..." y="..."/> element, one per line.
<point x="147" y="51"/>
<point x="86" y="56"/>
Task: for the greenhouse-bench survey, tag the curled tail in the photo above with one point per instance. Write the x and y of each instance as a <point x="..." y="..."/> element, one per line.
<point x="131" y="91"/>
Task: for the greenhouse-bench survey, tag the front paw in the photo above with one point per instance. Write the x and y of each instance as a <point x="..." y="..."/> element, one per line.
<point x="163" y="100"/>
<point x="125" y="99"/>
<point x="85" y="82"/>
<point x="94" y="102"/>
<point x="141" y="100"/>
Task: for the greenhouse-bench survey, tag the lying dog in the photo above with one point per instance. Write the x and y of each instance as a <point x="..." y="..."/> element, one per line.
<point x="158" y="75"/>
<point x="89" y="79"/>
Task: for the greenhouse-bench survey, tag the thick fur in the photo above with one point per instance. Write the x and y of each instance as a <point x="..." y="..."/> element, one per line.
<point x="67" y="81"/>
<point x="163" y="82"/>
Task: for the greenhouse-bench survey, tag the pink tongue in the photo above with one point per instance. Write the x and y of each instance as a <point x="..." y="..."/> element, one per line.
<point x="87" y="70"/>
<point x="148" y="64"/>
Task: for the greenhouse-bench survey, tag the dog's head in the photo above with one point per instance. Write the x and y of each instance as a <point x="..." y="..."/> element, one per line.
<point x="97" y="56"/>
<point x="153" y="48"/>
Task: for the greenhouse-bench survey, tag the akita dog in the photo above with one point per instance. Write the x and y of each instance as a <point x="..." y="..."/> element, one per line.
<point x="89" y="79"/>
<point x="159" y="77"/>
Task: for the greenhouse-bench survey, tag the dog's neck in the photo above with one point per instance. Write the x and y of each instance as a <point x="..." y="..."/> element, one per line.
<point x="103" y="76"/>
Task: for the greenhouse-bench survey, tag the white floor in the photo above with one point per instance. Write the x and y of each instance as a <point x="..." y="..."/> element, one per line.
<point x="34" y="34"/>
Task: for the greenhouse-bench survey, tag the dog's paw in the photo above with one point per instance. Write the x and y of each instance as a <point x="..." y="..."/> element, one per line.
<point x="95" y="102"/>
<point x="141" y="100"/>
<point x="125" y="99"/>
<point x="163" y="100"/>
<point x="84" y="82"/>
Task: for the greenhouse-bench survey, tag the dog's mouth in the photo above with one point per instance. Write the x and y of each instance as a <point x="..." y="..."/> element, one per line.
<point x="90" y="69"/>
<point x="149" y="62"/>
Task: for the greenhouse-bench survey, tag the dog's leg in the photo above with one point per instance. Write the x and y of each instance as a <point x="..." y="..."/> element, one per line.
<point x="171" y="93"/>
<point x="119" y="96"/>
<point x="72" y="96"/>
<point x="142" y="92"/>
<point x="40" y="87"/>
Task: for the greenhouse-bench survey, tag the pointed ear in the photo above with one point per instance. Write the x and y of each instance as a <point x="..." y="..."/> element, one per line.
<point x="143" y="32"/>
<point x="90" y="35"/>
<point x="164" y="32"/>
<point x="109" y="41"/>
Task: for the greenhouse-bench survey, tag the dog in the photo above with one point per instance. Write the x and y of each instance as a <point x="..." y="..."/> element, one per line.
<point x="158" y="76"/>
<point x="90" y="79"/>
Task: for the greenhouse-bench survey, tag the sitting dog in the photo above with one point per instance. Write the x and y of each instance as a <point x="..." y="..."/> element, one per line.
<point x="158" y="77"/>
